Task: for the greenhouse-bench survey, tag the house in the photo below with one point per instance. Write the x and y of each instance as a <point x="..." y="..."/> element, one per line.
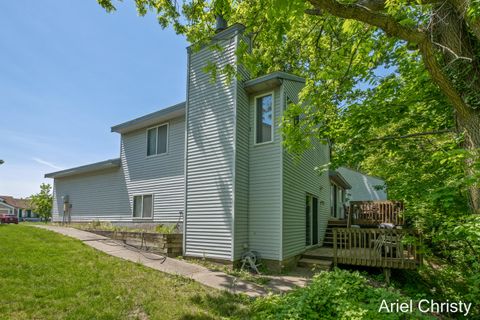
<point x="350" y="185"/>
<point x="363" y="187"/>
<point x="18" y="207"/>
<point x="214" y="163"/>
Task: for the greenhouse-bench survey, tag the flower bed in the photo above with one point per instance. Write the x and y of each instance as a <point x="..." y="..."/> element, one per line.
<point x="169" y="245"/>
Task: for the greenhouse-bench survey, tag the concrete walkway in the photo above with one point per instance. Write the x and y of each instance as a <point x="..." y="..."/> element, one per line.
<point x="214" y="279"/>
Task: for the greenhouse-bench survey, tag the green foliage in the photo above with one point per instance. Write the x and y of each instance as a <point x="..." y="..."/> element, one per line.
<point x="165" y="228"/>
<point x="427" y="172"/>
<point x="332" y="295"/>
<point x="42" y="202"/>
<point x="107" y="226"/>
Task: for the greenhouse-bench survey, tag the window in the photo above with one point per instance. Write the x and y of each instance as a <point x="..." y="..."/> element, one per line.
<point x="264" y="119"/>
<point x="157" y="140"/>
<point x="295" y="118"/>
<point x="143" y="206"/>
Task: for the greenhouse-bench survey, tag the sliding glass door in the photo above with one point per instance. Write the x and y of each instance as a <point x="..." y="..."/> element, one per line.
<point x="311" y="220"/>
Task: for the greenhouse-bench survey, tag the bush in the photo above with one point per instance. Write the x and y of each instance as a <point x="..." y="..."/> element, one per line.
<point x="332" y="295"/>
<point x="165" y="229"/>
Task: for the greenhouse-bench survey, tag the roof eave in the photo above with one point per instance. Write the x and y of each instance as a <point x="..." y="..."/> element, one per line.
<point x="339" y="179"/>
<point x="150" y="119"/>
<point x="98" y="166"/>
<point x="270" y="81"/>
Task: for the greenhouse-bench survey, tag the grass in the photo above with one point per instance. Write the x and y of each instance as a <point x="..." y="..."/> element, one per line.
<point x="48" y="276"/>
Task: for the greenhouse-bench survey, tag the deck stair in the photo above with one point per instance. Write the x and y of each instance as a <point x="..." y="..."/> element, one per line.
<point x="318" y="258"/>
<point x="328" y="240"/>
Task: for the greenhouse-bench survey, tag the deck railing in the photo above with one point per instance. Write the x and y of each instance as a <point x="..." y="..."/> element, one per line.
<point x="386" y="248"/>
<point x="375" y="212"/>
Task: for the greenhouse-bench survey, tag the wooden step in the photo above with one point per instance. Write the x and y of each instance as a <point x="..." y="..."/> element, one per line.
<point x="321" y="253"/>
<point x="337" y="223"/>
<point x="315" y="263"/>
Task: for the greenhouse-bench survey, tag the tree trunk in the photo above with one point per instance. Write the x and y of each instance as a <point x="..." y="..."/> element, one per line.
<point x="468" y="123"/>
<point x="450" y="36"/>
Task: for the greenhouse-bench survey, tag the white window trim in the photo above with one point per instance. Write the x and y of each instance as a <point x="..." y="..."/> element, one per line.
<point x="168" y="139"/>
<point x="133" y="206"/>
<point x="255" y="143"/>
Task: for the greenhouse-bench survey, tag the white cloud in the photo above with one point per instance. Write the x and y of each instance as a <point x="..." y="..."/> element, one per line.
<point x="46" y="163"/>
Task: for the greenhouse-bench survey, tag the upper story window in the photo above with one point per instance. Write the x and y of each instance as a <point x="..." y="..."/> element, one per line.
<point x="264" y="118"/>
<point x="157" y="140"/>
<point x="289" y="105"/>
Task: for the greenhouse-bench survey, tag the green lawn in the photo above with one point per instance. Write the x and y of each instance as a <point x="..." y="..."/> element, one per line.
<point x="44" y="275"/>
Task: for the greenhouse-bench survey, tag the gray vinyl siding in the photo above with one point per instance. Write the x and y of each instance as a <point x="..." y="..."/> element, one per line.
<point x="160" y="175"/>
<point x="265" y="171"/>
<point x="300" y="178"/>
<point x="210" y="154"/>
<point x="100" y="195"/>
<point x="241" y="167"/>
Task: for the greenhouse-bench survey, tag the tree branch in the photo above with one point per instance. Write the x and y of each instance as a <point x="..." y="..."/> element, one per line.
<point x="435" y="70"/>
<point x="394" y="29"/>
<point x="461" y="6"/>
<point x="363" y="14"/>
<point x="412" y="135"/>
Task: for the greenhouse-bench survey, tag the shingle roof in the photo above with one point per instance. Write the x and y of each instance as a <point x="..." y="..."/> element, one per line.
<point x="14" y="202"/>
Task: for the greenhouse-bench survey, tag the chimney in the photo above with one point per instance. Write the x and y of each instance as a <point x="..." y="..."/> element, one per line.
<point x="221" y="23"/>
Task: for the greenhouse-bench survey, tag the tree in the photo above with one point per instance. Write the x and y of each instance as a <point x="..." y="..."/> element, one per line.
<point x="41" y="203"/>
<point x="337" y="45"/>
<point x="446" y="33"/>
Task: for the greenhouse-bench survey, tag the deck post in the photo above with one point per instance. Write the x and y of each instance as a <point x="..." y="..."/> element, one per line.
<point x="334" y="247"/>
<point x="387" y="272"/>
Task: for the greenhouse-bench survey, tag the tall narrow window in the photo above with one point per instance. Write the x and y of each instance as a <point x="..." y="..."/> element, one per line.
<point x="157" y="140"/>
<point x="162" y="139"/>
<point x="152" y="141"/>
<point x="264" y="119"/>
<point x="143" y="206"/>
<point x="147" y="206"/>
<point x="137" y="206"/>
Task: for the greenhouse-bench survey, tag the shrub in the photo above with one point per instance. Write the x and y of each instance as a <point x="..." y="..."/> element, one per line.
<point x="332" y="295"/>
<point x="165" y="229"/>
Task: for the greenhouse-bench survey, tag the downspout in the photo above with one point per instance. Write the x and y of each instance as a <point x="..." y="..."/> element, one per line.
<point x="185" y="158"/>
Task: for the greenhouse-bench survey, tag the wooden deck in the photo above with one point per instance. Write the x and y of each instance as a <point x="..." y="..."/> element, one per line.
<point x="375" y="212"/>
<point x="360" y="257"/>
<point x="358" y="240"/>
<point x="385" y="248"/>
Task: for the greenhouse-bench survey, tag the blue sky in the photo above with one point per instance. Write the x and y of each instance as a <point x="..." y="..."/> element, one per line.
<point x="69" y="71"/>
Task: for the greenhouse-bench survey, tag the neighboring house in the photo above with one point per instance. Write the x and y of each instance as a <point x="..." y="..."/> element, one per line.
<point x="18" y="207"/>
<point x="363" y="187"/>
<point x="215" y="163"/>
<point x="349" y="185"/>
